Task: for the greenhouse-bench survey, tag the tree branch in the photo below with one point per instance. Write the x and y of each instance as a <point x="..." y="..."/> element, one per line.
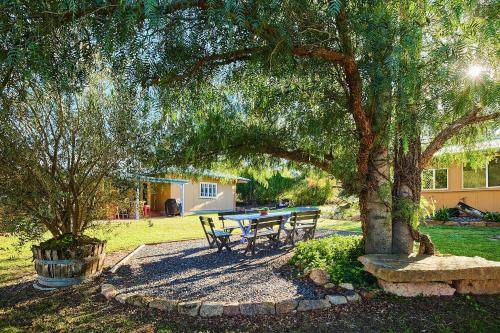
<point x="217" y="59"/>
<point x="295" y="155"/>
<point x="453" y="129"/>
<point x="354" y="83"/>
<point x="321" y="53"/>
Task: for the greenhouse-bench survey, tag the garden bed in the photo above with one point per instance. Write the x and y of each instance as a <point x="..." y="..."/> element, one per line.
<point x="464" y="222"/>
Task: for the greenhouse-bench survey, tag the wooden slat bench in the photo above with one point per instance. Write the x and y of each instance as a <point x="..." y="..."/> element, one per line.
<point x="215" y="238"/>
<point x="264" y="227"/>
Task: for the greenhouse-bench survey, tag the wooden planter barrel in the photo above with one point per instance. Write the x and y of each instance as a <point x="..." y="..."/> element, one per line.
<point x="56" y="268"/>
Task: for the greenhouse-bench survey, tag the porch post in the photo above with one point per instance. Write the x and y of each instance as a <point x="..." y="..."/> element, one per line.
<point x="137" y="200"/>
<point x="182" y="200"/>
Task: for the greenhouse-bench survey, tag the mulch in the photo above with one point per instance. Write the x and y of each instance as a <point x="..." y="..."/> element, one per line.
<point x="82" y="309"/>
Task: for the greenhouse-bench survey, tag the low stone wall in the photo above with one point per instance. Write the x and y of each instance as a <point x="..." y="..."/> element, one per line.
<point x="214" y="309"/>
<point x="433" y="275"/>
<point x="469" y="224"/>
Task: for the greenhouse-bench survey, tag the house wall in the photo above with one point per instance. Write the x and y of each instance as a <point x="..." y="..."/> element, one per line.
<point x="225" y="200"/>
<point x="485" y="199"/>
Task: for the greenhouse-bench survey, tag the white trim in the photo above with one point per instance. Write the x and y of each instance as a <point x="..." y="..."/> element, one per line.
<point x="182" y="200"/>
<point x="210" y="195"/>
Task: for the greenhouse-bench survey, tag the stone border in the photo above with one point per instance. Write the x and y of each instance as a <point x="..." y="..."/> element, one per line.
<point x="464" y="224"/>
<point x="213" y="309"/>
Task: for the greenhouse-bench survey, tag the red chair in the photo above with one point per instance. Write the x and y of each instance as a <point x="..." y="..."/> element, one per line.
<point x="146" y="210"/>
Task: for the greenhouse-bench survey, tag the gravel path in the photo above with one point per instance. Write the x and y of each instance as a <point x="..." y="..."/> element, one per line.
<point x="188" y="270"/>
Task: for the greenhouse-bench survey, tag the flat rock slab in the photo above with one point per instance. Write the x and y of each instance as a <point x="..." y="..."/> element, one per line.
<point x="421" y="268"/>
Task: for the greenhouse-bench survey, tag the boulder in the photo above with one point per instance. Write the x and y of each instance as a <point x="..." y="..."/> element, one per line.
<point x="424" y="268"/>
<point x="108" y="291"/>
<point x="253" y="309"/>
<point x="347" y="286"/>
<point x="164" y="304"/>
<point x="479" y="287"/>
<point x="211" y="309"/>
<point x="122" y="298"/>
<point x="319" y="276"/>
<point x="353" y="296"/>
<point x="189" y="308"/>
<point x="286" y="306"/>
<point x="138" y="300"/>
<point x="313" y="304"/>
<point x="329" y="285"/>
<point x="231" y="309"/>
<point x="336" y="299"/>
<point x="411" y="289"/>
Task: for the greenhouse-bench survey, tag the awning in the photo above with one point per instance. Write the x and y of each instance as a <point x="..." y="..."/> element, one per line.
<point x="149" y="179"/>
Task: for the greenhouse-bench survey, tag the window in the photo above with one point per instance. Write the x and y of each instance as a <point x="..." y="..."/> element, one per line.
<point x="489" y="176"/>
<point x="494" y="172"/>
<point x="208" y="190"/>
<point x="435" y="179"/>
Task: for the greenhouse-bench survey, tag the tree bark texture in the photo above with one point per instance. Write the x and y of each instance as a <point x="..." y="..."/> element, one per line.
<point x="376" y="203"/>
<point x="406" y="194"/>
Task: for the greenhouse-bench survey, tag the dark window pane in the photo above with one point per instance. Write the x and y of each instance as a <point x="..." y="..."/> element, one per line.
<point x="494" y="172"/>
<point x="474" y="178"/>
<point x="441" y="179"/>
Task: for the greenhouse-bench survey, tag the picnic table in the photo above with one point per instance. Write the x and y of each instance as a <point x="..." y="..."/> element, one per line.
<point x="246" y="228"/>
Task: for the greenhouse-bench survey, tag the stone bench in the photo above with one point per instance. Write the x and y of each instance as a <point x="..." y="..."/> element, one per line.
<point x="433" y="275"/>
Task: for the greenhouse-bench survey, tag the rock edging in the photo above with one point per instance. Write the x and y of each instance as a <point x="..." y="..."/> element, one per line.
<point x="214" y="309"/>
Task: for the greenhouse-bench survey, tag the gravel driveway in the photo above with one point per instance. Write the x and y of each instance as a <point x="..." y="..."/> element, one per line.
<point x="188" y="270"/>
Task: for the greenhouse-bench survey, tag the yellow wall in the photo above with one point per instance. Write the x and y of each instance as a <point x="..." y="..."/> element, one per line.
<point x="225" y="200"/>
<point x="485" y="199"/>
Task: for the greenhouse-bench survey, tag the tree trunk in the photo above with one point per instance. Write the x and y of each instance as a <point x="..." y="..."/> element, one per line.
<point x="406" y="199"/>
<point x="406" y="194"/>
<point x="376" y="203"/>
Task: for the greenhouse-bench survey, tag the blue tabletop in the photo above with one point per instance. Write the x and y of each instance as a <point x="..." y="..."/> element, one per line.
<point x="254" y="216"/>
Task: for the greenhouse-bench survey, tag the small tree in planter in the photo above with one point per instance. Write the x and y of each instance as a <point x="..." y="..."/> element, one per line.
<point x="56" y="151"/>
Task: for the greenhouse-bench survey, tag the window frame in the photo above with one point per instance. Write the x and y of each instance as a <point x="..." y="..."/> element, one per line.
<point x="486" y="174"/>
<point x="434" y="180"/>
<point x="208" y="187"/>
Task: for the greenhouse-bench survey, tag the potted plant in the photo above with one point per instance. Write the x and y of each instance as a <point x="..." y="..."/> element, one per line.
<point x="263" y="211"/>
<point x="58" y="152"/>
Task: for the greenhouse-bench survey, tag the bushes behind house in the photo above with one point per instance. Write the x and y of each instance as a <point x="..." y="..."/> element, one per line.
<point x="338" y="255"/>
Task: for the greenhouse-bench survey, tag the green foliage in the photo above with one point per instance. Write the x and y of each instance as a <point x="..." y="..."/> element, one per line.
<point x="492" y="216"/>
<point x="442" y="214"/>
<point x="258" y="192"/>
<point x="336" y="254"/>
<point x="311" y="192"/>
<point x="304" y="188"/>
<point x="407" y="209"/>
<point x="68" y="242"/>
<point x="57" y="148"/>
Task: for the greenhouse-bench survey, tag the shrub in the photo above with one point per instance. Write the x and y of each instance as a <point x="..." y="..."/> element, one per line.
<point x="442" y="214"/>
<point x="492" y="216"/>
<point x="338" y="255"/>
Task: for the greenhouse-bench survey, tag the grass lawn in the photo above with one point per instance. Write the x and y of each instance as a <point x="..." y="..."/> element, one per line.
<point x="460" y="241"/>
<point x="121" y="235"/>
<point x="125" y="235"/>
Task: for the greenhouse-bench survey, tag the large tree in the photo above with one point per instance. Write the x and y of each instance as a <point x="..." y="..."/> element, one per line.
<point x="346" y="57"/>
